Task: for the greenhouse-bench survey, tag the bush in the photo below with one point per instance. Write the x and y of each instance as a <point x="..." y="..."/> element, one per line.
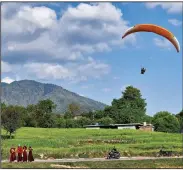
<point x="166" y="122"/>
<point x="83" y="121"/>
<point x="106" y="121"/>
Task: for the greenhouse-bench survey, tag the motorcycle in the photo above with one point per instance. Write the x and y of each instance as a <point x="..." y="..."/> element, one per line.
<point x="164" y="153"/>
<point x="113" y="154"/>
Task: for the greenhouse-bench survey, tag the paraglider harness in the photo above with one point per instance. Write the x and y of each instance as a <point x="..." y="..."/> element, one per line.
<point x="113" y="154"/>
<point x="143" y="70"/>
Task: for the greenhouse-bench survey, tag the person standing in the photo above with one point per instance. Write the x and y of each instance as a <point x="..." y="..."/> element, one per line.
<point x="25" y="154"/>
<point x="12" y="154"/>
<point x="20" y="152"/>
<point x="30" y="156"/>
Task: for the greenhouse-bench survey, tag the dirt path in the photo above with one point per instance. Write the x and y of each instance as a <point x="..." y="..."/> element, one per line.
<point x="99" y="159"/>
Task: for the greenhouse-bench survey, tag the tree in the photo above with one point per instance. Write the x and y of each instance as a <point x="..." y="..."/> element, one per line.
<point x="49" y="120"/>
<point x="74" y="109"/>
<point x="71" y="123"/>
<point x="180" y="119"/>
<point x="165" y="122"/>
<point x="82" y="121"/>
<point x="10" y="119"/>
<point x="30" y="120"/>
<point x="41" y="115"/>
<point x="31" y="108"/>
<point x="46" y="106"/>
<point x="112" y="112"/>
<point x="99" y="114"/>
<point x="130" y="108"/>
<point x="61" y="122"/>
<point x="38" y="116"/>
<point x="106" y="121"/>
<point x="68" y="115"/>
<point x="147" y="119"/>
<point x="3" y="106"/>
<point x="44" y="120"/>
<point x="22" y="113"/>
<point x="90" y="115"/>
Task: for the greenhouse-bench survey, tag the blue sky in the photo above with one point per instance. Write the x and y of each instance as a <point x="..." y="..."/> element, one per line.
<point x="79" y="47"/>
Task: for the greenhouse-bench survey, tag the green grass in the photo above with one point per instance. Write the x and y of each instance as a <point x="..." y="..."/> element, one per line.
<point x="161" y="163"/>
<point x="74" y="143"/>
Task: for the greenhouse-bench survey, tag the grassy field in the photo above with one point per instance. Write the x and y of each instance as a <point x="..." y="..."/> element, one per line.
<point x="88" y="143"/>
<point x="162" y="163"/>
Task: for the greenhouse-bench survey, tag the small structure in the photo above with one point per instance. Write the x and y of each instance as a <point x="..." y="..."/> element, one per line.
<point x="140" y="126"/>
<point x="147" y="127"/>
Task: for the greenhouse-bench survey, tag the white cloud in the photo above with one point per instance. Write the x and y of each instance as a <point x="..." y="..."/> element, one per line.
<point x="170" y="7"/>
<point x="93" y="68"/>
<point x="106" y="90"/>
<point x="27" y="19"/>
<point x="9" y="68"/>
<point x="39" y="35"/>
<point x="163" y="43"/>
<point x="73" y="72"/>
<point x="47" y="71"/>
<point x="42" y="17"/>
<point x="93" y="11"/>
<point x="5" y="67"/>
<point x="7" y="80"/>
<point x="40" y="44"/>
<point x="175" y="22"/>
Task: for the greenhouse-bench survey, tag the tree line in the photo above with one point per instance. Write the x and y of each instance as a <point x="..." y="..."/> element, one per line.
<point x="130" y="108"/>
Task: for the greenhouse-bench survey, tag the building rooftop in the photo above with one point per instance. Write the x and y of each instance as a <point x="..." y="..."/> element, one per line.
<point x="129" y="124"/>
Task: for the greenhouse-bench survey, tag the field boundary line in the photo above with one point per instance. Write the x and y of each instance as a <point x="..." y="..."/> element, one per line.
<point x="98" y="159"/>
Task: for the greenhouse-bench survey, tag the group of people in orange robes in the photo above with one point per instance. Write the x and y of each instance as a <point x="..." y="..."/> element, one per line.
<point x="20" y="154"/>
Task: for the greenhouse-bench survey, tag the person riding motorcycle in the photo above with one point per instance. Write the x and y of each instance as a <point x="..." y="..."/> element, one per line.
<point x="113" y="154"/>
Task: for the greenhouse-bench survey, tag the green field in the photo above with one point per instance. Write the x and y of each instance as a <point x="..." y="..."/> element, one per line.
<point x="88" y="143"/>
<point x="162" y="163"/>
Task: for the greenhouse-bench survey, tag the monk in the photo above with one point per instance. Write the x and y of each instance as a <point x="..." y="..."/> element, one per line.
<point x="30" y="156"/>
<point x="20" y="152"/>
<point x="25" y="154"/>
<point x="12" y="154"/>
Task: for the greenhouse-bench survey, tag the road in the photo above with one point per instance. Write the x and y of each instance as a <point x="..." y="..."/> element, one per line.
<point x="98" y="159"/>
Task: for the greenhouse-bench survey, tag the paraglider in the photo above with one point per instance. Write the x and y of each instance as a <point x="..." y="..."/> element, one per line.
<point x="155" y="29"/>
<point x="143" y="70"/>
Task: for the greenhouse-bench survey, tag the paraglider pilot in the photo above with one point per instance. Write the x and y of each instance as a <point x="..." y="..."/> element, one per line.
<point x="143" y="70"/>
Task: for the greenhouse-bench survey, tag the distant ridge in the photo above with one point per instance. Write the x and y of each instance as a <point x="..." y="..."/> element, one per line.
<point x="27" y="92"/>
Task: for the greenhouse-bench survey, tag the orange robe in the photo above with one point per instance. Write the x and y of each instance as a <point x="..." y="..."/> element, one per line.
<point x="20" y="152"/>
<point x="30" y="156"/>
<point x="12" y="155"/>
<point x="24" y="154"/>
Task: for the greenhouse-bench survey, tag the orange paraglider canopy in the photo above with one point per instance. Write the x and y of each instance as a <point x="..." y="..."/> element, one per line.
<point x="155" y="29"/>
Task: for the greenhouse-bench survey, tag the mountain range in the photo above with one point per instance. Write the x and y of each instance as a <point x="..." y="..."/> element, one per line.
<point x="26" y="92"/>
